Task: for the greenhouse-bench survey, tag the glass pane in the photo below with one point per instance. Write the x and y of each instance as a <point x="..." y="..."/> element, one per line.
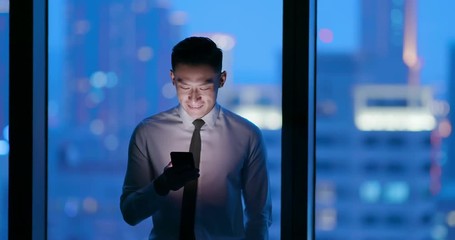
<point x="109" y="67"/>
<point x="383" y="140"/>
<point x="4" y="119"/>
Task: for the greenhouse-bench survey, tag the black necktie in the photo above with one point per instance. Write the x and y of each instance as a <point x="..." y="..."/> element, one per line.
<point x="190" y="189"/>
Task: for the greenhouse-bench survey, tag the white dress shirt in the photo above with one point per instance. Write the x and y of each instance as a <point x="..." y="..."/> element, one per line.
<point x="233" y="198"/>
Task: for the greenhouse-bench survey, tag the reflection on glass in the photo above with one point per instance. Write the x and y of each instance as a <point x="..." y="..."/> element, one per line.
<point x="109" y="67"/>
<point x="384" y="91"/>
<point x="4" y="118"/>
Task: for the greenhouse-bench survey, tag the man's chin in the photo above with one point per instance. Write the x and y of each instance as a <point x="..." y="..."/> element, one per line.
<point x="195" y="113"/>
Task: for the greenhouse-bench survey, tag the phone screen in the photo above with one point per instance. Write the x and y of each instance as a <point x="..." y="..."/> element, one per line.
<point x="180" y="159"/>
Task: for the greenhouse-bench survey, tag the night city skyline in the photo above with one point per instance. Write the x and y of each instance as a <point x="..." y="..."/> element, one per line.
<point x="385" y="88"/>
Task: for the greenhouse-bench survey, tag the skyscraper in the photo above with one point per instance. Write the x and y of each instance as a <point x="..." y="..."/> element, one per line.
<point x="383" y="25"/>
<point x="446" y="207"/>
<point x="115" y="68"/>
<point x="116" y="62"/>
<point x="374" y="144"/>
<point x="449" y="166"/>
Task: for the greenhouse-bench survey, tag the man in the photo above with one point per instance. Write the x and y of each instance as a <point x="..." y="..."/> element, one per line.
<point x="230" y="181"/>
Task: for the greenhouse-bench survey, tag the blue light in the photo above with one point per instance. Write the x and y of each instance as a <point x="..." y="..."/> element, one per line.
<point x="98" y="79"/>
<point x="71" y="207"/>
<point x="6" y="133"/>
<point x="370" y="191"/>
<point x="4" y="6"/>
<point x="112" y="79"/>
<point x="4" y="147"/>
<point x="396" y="192"/>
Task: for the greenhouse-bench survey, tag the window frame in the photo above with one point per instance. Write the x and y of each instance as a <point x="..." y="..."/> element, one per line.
<point x="27" y="190"/>
<point x="298" y="104"/>
<point x="27" y="196"/>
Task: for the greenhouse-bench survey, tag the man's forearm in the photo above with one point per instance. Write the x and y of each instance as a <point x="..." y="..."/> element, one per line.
<point x="139" y="205"/>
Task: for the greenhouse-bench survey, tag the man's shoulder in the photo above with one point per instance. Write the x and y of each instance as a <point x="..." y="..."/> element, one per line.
<point x="238" y="119"/>
<point x="160" y="118"/>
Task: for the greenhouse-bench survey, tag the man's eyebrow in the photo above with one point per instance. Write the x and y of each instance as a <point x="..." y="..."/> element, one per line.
<point x="210" y="80"/>
<point x="180" y="80"/>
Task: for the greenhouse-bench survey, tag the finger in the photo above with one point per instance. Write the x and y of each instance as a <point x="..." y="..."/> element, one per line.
<point x="181" y="169"/>
<point x="189" y="175"/>
<point x="169" y="165"/>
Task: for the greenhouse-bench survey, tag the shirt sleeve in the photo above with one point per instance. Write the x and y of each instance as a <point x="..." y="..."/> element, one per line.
<point x="256" y="191"/>
<point x="139" y="199"/>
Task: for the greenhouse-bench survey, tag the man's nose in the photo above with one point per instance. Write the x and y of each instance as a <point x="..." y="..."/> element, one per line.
<point x="194" y="94"/>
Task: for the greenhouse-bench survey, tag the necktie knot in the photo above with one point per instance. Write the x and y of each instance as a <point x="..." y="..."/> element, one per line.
<point x="198" y="123"/>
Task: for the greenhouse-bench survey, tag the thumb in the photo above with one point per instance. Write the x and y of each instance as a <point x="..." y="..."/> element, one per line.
<point x="169" y="165"/>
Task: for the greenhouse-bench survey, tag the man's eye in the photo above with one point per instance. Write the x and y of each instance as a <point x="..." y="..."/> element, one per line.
<point x="205" y="88"/>
<point x="184" y="88"/>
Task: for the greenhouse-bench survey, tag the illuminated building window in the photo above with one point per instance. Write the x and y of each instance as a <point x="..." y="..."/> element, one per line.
<point x="326" y="219"/>
<point x="326" y="108"/>
<point x="439" y="232"/>
<point x="326" y="193"/>
<point x="396" y="192"/>
<point x="370" y="191"/>
<point x="451" y="219"/>
<point x="4" y="147"/>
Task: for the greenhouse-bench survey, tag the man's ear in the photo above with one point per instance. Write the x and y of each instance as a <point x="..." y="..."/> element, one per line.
<point x="172" y="77"/>
<point x="223" y="77"/>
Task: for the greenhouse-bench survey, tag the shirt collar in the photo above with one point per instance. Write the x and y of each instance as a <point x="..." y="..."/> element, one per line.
<point x="209" y="118"/>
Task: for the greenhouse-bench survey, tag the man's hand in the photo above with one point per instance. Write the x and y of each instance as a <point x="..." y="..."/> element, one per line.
<point x="174" y="178"/>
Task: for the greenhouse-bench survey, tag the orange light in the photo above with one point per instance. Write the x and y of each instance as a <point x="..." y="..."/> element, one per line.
<point x="444" y="128"/>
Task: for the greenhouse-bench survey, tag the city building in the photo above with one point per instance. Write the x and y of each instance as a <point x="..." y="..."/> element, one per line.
<point x="112" y="77"/>
<point x="446" y="197"/>
<point x="375" y="140"/>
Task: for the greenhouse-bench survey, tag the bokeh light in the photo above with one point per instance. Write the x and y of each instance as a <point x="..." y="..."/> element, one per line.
<point x="4" y="147"/>
<point x="98" y="79"/>
<point x="168" y="91"/>
<point x="6" y="132"/>
<point x="326" y="35"/>
<point x="71" y="207"/>
<point x="111" y="142"/>
<point x="90" y="205"/>
<point x="97" y="127"/>
<point x="370" y="191"/>
<point x="145" y="53"/>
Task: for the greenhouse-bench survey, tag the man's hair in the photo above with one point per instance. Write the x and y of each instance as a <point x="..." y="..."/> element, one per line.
<point x="197" y="51"/>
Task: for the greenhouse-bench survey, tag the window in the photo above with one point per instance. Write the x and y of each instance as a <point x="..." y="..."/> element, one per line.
<point x="108" y="70"/>
<point x="391" y="65"/>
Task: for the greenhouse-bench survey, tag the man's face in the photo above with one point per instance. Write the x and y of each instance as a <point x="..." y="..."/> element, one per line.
<point x="197" y="87"/>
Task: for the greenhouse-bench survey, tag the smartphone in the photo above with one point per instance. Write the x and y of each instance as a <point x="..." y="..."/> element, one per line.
<point x="181" y="159"/>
